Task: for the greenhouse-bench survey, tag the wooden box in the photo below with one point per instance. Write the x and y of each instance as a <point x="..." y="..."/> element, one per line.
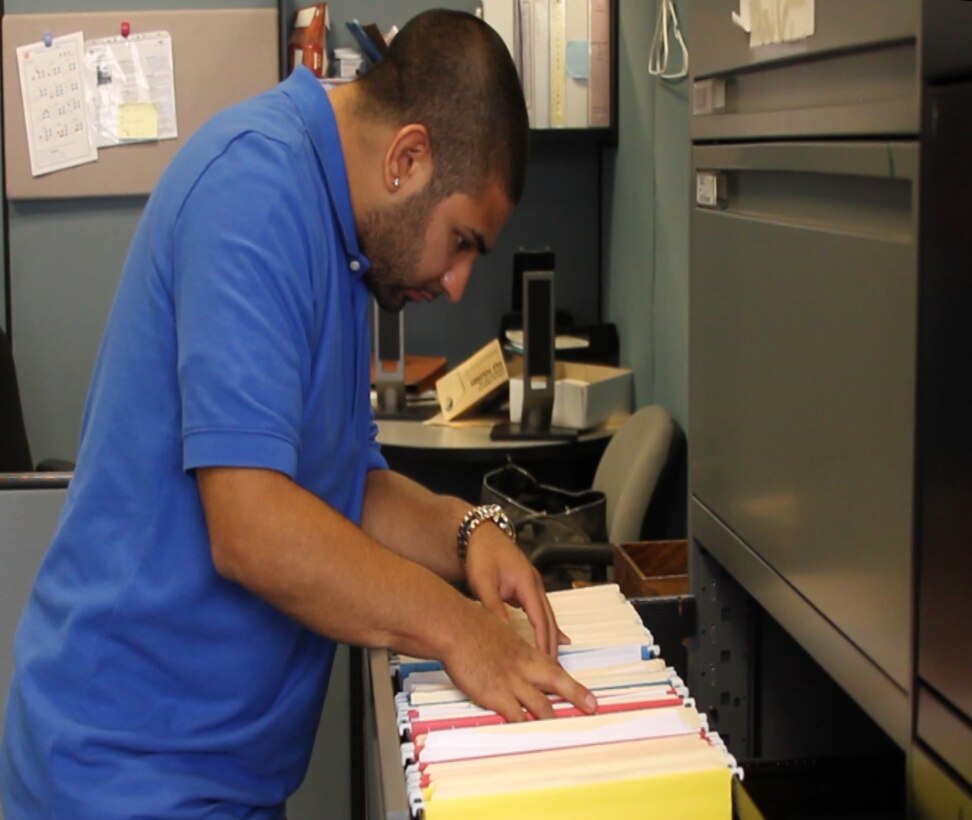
<point x="645" y="569"/>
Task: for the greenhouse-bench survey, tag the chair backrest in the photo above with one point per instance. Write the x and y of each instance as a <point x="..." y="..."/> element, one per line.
<point x="629" y="469"/>
<point x="14" y="449"/>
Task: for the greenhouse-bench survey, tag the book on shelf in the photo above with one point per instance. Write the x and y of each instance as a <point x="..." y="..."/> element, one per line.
<point x="307" y="45"/>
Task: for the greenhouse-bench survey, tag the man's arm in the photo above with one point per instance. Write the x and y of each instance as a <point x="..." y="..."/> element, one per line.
<point x="422" y="526"/>
<point x="414" y="522"/>
<point x="297" y="553"/>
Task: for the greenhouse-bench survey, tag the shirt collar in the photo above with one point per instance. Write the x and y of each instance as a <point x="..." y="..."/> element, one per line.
<point x="315" y="109"/>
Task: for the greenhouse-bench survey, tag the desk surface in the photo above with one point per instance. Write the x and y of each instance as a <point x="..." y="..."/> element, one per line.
<point x="416" y="434"/>
<point x="453" y="460"/>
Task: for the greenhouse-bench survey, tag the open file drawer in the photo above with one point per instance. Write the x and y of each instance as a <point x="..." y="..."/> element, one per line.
<point x="386" y="794"/>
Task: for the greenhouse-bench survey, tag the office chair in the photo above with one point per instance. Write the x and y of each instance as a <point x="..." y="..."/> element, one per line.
<point x="627" y="474"/>
<point x="14" y="446"/>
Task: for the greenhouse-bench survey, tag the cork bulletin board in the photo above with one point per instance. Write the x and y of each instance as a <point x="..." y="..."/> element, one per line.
<point x="220" y="56"/>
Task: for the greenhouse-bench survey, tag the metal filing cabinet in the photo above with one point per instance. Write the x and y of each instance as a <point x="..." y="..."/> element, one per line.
<point x="803" y="292"/>
<point x="830" y="363"/>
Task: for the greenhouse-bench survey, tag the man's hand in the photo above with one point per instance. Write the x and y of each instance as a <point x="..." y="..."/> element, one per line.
<point x="498" y="572"/>
<point x="498" y="670"/>
<point x="482" y="654"/>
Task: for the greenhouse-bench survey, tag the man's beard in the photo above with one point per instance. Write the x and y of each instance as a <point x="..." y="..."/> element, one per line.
<point x="392" y="238"/>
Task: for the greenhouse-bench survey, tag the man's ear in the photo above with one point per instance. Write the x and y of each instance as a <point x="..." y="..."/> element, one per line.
<point x="408" y="160"/>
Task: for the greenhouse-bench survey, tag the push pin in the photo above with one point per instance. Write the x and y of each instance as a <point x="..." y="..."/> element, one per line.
<point x="125" y="29"/>
<point x="47" y="39"/>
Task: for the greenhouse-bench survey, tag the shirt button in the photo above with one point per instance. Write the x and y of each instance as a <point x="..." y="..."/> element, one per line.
<point x="355" y="265"/>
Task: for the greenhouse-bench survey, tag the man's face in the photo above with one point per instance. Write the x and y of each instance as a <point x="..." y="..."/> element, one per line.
<point x="422" y="247"/>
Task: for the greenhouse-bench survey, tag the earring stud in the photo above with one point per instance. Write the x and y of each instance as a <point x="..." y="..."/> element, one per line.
<point x="396" y="182"/>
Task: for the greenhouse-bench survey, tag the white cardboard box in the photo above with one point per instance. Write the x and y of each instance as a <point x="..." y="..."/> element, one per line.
<point x="585" y="395"/>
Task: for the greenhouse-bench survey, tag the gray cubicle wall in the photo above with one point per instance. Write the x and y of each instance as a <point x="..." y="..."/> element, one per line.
<point x="65" y="259"/>
<point x="27" y="521"/>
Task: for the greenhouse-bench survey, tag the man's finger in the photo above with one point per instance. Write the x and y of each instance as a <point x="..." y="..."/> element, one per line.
<point x="560" y="683"/>
<point x="535" y="701"/>
<point x="533" y="603"/>
<point x="489" y="598"/>
<point x="508" y="706"/>
<point x="554" y="632"/>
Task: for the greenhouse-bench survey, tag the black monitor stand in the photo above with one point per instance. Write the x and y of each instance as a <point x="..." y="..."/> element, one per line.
<point x="538" y="365"/>
<point x="389" y="347"/>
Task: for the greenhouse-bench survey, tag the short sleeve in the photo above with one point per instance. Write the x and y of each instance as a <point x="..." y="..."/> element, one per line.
<point x="376" y="461"/>
<point x="243" y="309"/>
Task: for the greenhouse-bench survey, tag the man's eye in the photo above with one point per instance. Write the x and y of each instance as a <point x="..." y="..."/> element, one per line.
<point x="462" y="243"/>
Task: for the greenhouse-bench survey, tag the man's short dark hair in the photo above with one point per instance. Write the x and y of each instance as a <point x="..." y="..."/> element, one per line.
<point x="452" y="73"/>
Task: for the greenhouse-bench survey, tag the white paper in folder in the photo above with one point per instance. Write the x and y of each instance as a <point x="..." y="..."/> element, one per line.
<point x="533" y="736"/>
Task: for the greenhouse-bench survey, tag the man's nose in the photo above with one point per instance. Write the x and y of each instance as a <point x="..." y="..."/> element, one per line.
<point x="454" y="281"/>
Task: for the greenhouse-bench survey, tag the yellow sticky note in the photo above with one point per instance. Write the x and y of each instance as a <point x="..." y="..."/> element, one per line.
<point x="138" y="121"/>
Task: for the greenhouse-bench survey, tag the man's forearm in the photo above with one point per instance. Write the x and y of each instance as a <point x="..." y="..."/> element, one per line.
<point x="289" y="548"/>
<point x="414" y="522"/>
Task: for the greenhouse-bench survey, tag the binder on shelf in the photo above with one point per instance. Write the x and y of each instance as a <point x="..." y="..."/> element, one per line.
<point x="599" y="87"/>
<point x="577" y="63"/>
<point x="541" y="64"/>
<point x="525" y="62"/>
<point x="307" y="45"/>
<point x="558" y="63"/>
<point x="563" y="50"/>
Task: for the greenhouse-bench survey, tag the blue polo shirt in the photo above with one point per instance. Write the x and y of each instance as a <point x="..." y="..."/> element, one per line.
<point x="146" y="685"/>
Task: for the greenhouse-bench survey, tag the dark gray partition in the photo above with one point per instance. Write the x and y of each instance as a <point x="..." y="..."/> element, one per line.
<point x="27" y="520"/>
<point x="943" y="496"/>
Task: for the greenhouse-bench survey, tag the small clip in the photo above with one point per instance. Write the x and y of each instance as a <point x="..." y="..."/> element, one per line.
<point x="47" y="39"/>
<point x="125" y="29"/>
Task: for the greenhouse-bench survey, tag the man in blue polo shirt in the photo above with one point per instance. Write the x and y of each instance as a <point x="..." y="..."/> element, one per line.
<point x="231" y="515"/>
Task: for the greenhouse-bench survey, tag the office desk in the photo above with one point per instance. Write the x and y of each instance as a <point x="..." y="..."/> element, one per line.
<point x="453" y="460"/>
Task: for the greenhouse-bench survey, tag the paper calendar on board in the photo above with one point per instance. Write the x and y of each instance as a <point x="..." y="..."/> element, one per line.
<point x="52" y="87"/>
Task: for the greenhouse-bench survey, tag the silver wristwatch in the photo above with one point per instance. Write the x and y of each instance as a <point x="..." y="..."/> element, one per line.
<point x="475" y="517"/>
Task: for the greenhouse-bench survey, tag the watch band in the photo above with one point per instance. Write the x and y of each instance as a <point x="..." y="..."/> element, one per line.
<point x="475" y="517"/>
